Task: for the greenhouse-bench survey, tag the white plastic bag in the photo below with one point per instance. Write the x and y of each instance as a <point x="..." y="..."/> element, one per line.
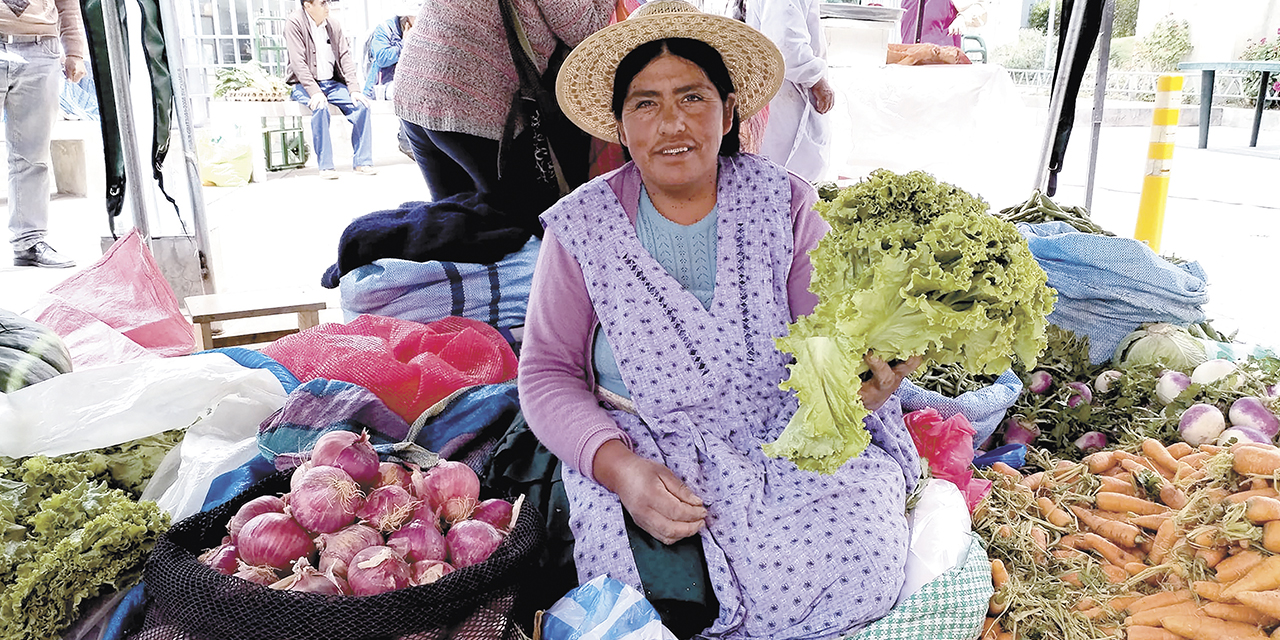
<point x="603" y="609"/>
<point x="938" y="541"/>
<point x="106" y="406"/>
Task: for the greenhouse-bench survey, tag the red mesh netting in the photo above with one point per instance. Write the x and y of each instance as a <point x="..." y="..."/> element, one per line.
<point x="409" y="365"/>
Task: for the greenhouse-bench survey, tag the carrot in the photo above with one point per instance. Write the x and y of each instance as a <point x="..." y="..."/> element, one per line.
<point x="1121" y="533"/>
<point x="999" y="574"/>
<point x="1085" y="603"/>
<point x="1107" y="549"/>
<point x="1212" y="449"/>
<point x="1134" y="568"/>
<point x="1165" y="537"/>
<point x="1259" y="509"/>
<point x="1121" y="603"/>
<point x="1121" y="503"/>
<point x="1117" y="485"/>
<point x="1150" y="522"/>
<point x="990" y="629"/>
<point x="1113" y="573"/>
<point x="1206" y="539"/>
<point x="1006" y="635"/>
<point x="1180" y="450"/>
<point x="998" y="604"/>
<point x="1033" y="481"/>
<point x="1100" y="461"/>
<point x="1155" y="451"/>
<point x="1241" y="496"/>
<point x="1161" y="599"/>
<point x="1259" y="483"/>
<point x="1152" y="617"/>
<point x="1209" y="590"/>
<point x="1195" y="460"/>
<point x="1092" y="613"/>
<point x="1007" y="470"/>
<point x="1238" y="613"/>
<point x="1207" y="628"/>
<point x="1072" y="578"/>
<point x="1056" y="516"/>
<point x="1264" y="576"/>
<point x="1267" y="602"/>
<point x="1040" y="538"/>
<point x="1236" y="566"/>
<point x="1261" y="461"/>
<point x="1211" y="557"/>
<point x="1142" y="632"/>
<point x="1136" y="461"/>
<point x="1271" y="536"/>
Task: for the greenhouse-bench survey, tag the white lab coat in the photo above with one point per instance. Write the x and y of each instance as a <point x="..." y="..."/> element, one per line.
<point x="797" y="136"/>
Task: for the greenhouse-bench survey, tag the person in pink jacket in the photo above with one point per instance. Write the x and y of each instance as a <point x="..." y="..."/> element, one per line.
<point x="648" y="364"/>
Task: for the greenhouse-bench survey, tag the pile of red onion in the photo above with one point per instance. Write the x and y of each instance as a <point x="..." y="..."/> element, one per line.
<point x="352" y="525"/>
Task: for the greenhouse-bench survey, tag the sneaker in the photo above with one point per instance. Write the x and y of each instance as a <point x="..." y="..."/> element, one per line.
<point x="366" y="170"/>
<point x="42" y="255"/>
<point x="329" y="174"/>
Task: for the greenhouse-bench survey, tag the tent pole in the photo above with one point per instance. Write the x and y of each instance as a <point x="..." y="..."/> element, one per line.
<point x="1065" y="61"/>
<point x="119" y="63"/>
<point x="182" y="116"/>
<point x="1099" y="96"/>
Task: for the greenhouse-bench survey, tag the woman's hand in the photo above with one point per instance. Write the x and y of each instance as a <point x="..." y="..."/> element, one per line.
<point x="656" y="499"/>
<point x="884" y="379"/>
<point x="823" y="97"/>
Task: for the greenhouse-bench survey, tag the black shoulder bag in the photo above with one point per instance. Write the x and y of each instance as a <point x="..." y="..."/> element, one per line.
<point x="555" y="146"/>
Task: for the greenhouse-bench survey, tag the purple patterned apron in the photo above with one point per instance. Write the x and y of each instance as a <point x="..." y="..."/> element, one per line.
<point x="792" y="554"/>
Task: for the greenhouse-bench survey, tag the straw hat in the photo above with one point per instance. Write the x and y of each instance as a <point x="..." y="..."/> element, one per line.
<point x="585" y="84"/>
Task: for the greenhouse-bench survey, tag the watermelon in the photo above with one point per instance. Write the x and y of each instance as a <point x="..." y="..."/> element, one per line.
<point x="29" y="352"/>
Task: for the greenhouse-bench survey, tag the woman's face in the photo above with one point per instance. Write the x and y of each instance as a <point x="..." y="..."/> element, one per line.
<point x="672" y="123"/>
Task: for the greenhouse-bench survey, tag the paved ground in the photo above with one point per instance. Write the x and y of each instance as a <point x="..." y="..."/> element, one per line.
<point x="1222" y="211"/>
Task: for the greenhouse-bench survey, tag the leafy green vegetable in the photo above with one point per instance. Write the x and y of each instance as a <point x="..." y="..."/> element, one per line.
<point x="71" y="529"/>
<point x="1160" y="343"/>
<point x="911" y="266"/>
<point x="249" y="75"/>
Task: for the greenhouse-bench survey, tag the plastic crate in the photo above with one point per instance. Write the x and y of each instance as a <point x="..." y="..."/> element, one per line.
<point x="285" y="144"/>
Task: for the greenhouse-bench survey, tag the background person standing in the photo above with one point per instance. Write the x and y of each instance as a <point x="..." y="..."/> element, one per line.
<point x="320" y="69"/>
<point x="41" y="41"/>
<point x="940" y="22"/>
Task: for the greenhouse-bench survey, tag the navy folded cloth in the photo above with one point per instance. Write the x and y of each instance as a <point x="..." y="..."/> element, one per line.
<point x="461" y="228"/>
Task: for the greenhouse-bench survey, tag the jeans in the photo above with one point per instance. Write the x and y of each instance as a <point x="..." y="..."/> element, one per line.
<point x="29" y="97"/>
<point x="454" y="163"/>
<point x="358" y="114"/>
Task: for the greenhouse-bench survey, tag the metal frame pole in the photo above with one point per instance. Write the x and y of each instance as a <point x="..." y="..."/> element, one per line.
<point x="1099" y="96"/>
<point x="1065" y="62"/>
<point x="119" y="62"/>
<point x="182" y="116"/>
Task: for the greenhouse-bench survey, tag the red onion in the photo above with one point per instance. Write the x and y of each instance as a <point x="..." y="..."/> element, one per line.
<point x="387" y="508"/>
<point x="295" y="480"/>
<point x="274" y="540"/>
<point x="326" y="500"/>
<point x="428" y="571"/>
<point x="394" y="473"/>
<point x="471" y="541"/>
<point x="254" y="507"/>
<point x="257" y="574"/>
<point x="375" y="570"/>
<point x="496" y="512"/>
<point x="222" y="558"/>
<point x="350" y="452"/>
<point x="305" y="578"/>
<point x="452" y="488"/>
<point x="418" y="541"/>
<point x="337" y="549"/>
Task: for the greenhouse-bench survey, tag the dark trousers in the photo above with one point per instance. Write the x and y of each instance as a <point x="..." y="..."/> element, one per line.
<point x="454" y="163"/>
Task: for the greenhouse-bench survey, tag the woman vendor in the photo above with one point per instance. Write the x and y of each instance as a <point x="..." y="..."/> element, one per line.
<point x="649" y="367"/>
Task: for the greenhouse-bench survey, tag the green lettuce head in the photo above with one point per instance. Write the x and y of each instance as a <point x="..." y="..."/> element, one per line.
<point x="912" y="266"/>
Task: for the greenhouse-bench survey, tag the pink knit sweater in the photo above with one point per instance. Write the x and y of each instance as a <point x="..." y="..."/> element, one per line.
<point x="455" y="71"/>
<point x="556" y="380"/>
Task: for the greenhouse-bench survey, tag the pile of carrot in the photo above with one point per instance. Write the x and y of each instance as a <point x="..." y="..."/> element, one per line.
<point x="1159" y="543"/>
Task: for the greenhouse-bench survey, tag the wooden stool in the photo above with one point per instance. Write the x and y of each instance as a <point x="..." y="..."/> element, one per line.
<point x="216" y="307"/>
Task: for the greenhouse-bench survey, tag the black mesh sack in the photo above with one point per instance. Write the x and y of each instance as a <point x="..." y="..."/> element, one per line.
<point x="187" y="600"/>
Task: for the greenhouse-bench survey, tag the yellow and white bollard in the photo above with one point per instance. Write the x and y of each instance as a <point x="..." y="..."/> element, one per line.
<point x="1155" y="185"/>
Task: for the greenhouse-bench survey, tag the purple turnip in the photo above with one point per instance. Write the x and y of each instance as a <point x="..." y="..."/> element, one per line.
<point x="1106" y="380"/>
<point x="1235" y="435"/>
<point x="1171" y="384"/>
<point x="1253" y="413"/>
<point x="1201" y="424"/>
<point x="1039" y="382"/>
<point x="1091" y="441"/>
<point x="1021" y="430"/>
<point x="1080" y="394"/>
<point x="1211" y="371"/>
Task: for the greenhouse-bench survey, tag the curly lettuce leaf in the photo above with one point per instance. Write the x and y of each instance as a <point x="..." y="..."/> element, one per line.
<point x="912" y="266"/>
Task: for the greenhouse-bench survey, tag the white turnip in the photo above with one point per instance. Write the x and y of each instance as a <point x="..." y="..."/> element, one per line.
<point x="1201" y="424"/>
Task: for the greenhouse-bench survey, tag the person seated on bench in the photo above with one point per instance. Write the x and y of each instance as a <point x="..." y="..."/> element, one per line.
<point x="320" y="68"/>
<point x="44" y="41"/>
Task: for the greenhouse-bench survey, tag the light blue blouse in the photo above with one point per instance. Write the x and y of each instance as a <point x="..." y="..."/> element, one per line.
<point x="687" y="252"/>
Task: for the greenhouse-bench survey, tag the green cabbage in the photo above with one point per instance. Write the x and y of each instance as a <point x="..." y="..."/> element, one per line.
<point x="911" y="266"/>
<point x="1160" y="343"/>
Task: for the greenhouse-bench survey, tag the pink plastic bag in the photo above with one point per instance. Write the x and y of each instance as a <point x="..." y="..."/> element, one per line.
<point x="948" y="446"/>
<point x="123" y="290"/>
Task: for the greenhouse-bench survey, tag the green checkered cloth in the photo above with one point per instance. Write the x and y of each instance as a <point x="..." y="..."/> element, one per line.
<point x="951" y="607"/>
